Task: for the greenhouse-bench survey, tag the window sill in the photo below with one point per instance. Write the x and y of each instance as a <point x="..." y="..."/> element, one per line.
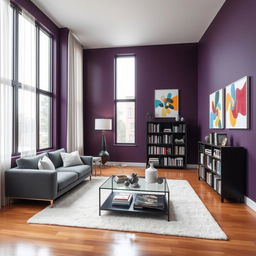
<point x="124" y="145"/>
<point x="17" y="155"/>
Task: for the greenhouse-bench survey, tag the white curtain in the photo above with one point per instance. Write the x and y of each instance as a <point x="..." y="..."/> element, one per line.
<point x="75" y="96"/>
<point x="5" y="94"/>
<point x="27" y="92"/>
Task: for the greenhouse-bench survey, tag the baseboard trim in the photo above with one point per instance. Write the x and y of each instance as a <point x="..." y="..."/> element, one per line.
<point x="250" y="203"/>
<point x="192" y="166"/>
<point x="124" y="164"/>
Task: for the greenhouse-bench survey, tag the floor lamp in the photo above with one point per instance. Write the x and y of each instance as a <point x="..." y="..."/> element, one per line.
<point x="103" y="124"/>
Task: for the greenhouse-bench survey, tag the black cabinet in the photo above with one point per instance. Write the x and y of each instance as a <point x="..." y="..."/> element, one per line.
<point x="167" y="144"/>
<point x="223" y="169"/>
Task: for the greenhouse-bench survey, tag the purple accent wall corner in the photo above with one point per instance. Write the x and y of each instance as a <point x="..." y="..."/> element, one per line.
<point x="157" y="67"/>
<point x="227" y="53"/>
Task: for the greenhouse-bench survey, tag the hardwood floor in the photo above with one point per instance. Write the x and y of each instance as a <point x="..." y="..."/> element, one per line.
<point x="17" y="238"/>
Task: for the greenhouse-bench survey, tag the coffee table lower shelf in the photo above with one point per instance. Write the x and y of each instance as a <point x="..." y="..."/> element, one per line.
<point x="107" y="206"/>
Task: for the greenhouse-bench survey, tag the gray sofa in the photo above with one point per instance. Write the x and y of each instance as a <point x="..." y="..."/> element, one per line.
<point x="26" y="181"/>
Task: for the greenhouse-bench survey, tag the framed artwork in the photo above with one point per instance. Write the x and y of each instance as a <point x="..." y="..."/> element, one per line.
<point x="237" y="110"/>
<point x="216" y="111"/>
<point x="166" y="103"/>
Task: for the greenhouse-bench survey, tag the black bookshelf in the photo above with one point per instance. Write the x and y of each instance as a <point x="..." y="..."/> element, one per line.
<point x="223" y="168"/>
<point x="167" y="144"/>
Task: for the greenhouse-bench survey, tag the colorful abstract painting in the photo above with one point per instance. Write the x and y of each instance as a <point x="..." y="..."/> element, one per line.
<point x="237" y="116"/>
<point x="216" y="110"/>
<point x="167" y="103"/>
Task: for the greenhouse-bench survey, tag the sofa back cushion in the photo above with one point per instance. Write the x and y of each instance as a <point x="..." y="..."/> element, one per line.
<point x="56" y="158"/>
<point x="30" y="162"/>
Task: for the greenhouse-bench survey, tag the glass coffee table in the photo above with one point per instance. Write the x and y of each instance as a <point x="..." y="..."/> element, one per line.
<point x="153" y="189"/>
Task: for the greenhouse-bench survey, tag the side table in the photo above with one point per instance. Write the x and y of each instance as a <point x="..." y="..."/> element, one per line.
<point x="96" y="162"/>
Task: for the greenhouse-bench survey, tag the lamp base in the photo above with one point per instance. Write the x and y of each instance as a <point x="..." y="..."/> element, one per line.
<point x="104" y="156"/>
<point x="104" y="153"/>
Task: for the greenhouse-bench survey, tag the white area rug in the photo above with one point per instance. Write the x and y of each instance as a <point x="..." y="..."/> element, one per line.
<point x="189" y="216"/>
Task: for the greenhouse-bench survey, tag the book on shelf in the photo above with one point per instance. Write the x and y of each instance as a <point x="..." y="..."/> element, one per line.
<point x="181" y="128"/>
<point x="208" y="151"/>
<point x="202" y="158"/>
<point x="217" y="153"/>
<point x="216" y="178"/>
<point x="155" y="139"/>
<point x="179" y="141"/>
<point x="209" y="178"/>
<point x="122" y="199"/>
<point x="155" y="150"/>
<point x="167" y="139"/>
<point x="219" y="186"/>
<point x="216" y="166"/>
<point x="120" y="178"/>
<point x="154" y="128"/>
<point x="170" y="161"/>
<point x="202" y="172"/>
<point x="149" y="201"/>
<point x="179" y="150"/>
<point x="208" y="162"/>
<point x="167" y="130"/>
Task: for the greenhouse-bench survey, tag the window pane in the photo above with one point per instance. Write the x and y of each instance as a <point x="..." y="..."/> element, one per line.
<point x="44" y="61"/>
<point x="27" y="51"/>
<point x="125" y="122"/>
<point x="6" y="29"/>
<point x="44" y="121"/>
<point x="26" y="119"/>
<point x="125" y="77"/>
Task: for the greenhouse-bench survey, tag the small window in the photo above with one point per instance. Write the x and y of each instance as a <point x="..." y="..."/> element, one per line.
<point x="44" y="61"/>
<point x="125" y="99"/>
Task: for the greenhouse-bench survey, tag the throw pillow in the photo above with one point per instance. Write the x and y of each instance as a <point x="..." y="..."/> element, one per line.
<point x="70" y="159"/>
<point x="45" y="164"/>
<point x="56" y="158"/>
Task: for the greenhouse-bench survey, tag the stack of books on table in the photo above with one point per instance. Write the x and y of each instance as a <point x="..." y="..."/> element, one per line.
<point x="122" y="199"/>
<point x="120" y="178"/>
<point x="149" y="201"/>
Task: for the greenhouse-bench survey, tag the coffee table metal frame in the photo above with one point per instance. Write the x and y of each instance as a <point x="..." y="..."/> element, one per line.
<point x="147" y="188"/>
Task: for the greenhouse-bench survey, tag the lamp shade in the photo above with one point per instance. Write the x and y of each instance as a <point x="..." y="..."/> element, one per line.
<point x="103" y="124"/>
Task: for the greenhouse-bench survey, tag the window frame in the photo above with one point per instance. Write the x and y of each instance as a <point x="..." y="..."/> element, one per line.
<point x="41" y="91"/>
<point x="17" y="85"/>
<point x="125" y="100"/>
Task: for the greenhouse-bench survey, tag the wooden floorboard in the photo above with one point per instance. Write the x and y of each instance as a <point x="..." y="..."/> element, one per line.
<point x="17" y="238"/>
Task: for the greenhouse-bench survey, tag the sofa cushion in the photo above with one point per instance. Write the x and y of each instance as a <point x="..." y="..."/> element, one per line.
<point x="66" y="178"/>
<point x="81" y="170"/>
<point x="71" y="159"/>
<point x="56" y="158"/>
<point x="29" y="162"/>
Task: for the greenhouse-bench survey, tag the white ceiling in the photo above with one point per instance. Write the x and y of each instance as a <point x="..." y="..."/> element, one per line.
<point x="114" y="23"/>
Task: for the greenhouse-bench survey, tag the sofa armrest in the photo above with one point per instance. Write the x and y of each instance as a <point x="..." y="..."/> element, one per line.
<point x="31" y="183"/>
<point x="87" y="160"/>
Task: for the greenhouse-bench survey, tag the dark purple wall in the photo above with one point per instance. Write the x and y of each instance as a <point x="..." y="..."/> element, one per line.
<point x="227" y="52"/>
<point x="158" y="67"/>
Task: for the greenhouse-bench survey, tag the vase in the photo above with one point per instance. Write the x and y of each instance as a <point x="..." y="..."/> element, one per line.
<point x="151" y="174"/>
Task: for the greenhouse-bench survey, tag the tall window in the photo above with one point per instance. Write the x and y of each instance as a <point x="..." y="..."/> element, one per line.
<point x="45" y="90"/>
<point x="125" y="99"/>
<point x="32" y="73"/>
